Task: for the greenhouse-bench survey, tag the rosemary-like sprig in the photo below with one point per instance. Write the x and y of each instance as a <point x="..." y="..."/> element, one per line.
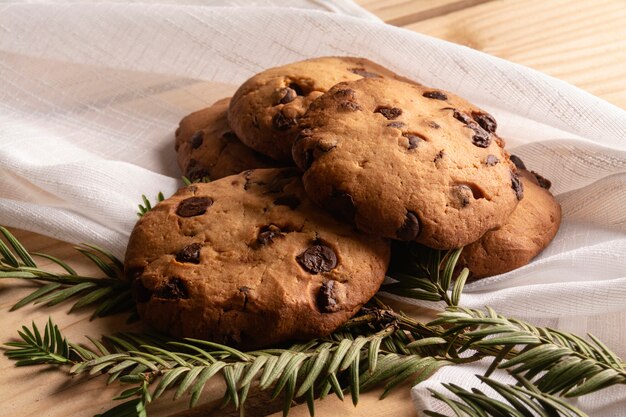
<point x="426" y="274"/>
<point x="155" y="365"/>
<point x="188" y="182"/>
<point x="145" y="205"/>
<point x="109" y="294"/>
<point x="557" y="362"/>
<point x="377" y="347"/>
<point x="522" y="400"/>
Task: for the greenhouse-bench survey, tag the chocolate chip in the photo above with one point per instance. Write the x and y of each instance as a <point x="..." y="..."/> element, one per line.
<point x="286" y="95"/>
<point x="543" y="182"/>
<point x="345" y="93"/>
<point x="436" y="95"/>
<point x="282" y="122"/>
<point x="341" y="205"/>
<point x="297" y="89"/>
<point x="195" y="171"/>
<point x="267" y="234"/>
<point x="439" y="155"/>
<point x="397" y="125"/>
<point x="486" y="121"/>
<point x="193" y="206"/>
<point x="491" y="160"/>
<point x="462" y="194"/>
<point x="519" y="164"/>
<point x="326" y="298"/>
<point x="350" y="106"/>
<point x="414" y="140"/>
<point x="461" y="117"/>
<point x="410" y="229"/>
<point x="517" y="186"/>
<point x="389" y="112"/>
<point x="363" y="73"/>
<point x="434" y="125"/>
<point x="288" y="200"/>
<point x="481" y="138"/>
<point x="140" y="293"/>
<point x="190" y="254"/>
<point x="317" y="258"/>
<point x="197" y="139"/>
<point x="174" y="289"/>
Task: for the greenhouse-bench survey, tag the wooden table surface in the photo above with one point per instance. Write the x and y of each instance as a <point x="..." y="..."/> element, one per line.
<point x="580" y="41"/>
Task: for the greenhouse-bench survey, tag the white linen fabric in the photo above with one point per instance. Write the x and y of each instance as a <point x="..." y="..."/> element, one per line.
<point x="90" y="95"/>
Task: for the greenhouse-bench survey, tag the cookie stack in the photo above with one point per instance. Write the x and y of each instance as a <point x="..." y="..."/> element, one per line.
<point x="268" y="252"/>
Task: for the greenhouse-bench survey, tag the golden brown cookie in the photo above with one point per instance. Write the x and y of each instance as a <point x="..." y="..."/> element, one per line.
<point x="264" y="111"/>
<point x="249" y="260"/>
<point x="207" y="147"/>
<point x="406" y="162"/>
<point x="530" y="228"/>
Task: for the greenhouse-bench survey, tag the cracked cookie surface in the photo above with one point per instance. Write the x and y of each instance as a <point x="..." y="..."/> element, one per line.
<point x="265" y="110"/>
<point x="406" y="162"/>
<point x="206" y="146"/>
<point x="248" y="260"/>
<point x="532" y="226"/>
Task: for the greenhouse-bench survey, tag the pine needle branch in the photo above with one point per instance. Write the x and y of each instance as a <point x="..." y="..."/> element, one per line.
<point x="145" y="206"/>
<point x="559" y="363"/>
<point x="426" y="274"/>
<point x="514" y="401"/>
<point x="378" y="347"/>
<point x="154" y="365"/>
<point x="109" y="294"/>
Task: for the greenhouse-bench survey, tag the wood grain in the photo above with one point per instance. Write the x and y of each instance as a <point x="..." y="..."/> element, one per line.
<point x="405" y="12"/>
<point x="582" y="42"/>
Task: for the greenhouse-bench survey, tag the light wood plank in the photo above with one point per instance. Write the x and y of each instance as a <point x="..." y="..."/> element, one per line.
<point x="404" y="12"/>
<point x="582" y="42"/>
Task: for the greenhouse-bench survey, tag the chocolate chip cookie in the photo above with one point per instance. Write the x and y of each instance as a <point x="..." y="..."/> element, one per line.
<point x="248" y="260"/>
<point x="530" y="228"/>
<point x="264" y="111"/>
<point x="406" y="162"/>
<point x="207" y="147"/>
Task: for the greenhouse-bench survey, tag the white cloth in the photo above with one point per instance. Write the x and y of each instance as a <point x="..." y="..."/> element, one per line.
<point x="90" y="95"/>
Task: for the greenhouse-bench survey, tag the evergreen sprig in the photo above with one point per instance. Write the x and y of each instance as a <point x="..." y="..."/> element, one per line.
<point x="557" y="362"/>
<point x="108" y="295"/>
<point x="33" y="348"/>
<point x="188" y="181"/>
<point x="522" y="400"/>
<point x="145" y="205"/>
<point x="426" y="274"/>
<point x="378" y="347"/>
<point x="155" y="365"/>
